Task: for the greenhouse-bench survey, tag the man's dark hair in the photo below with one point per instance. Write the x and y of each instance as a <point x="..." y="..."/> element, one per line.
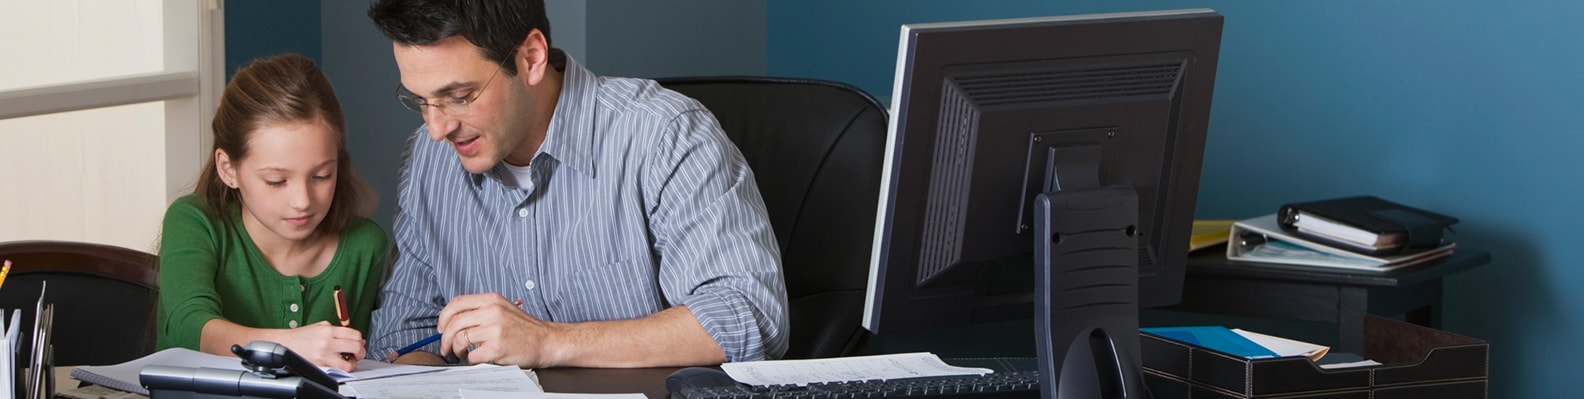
<point x="495" y="26"/>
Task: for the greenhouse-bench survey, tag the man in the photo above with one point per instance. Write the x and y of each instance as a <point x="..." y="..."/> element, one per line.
<point x="558" y="218"/>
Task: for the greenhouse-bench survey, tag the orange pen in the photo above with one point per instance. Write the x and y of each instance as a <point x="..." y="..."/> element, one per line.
<point x="341" y="308"/>
<point x="342" y="314"/>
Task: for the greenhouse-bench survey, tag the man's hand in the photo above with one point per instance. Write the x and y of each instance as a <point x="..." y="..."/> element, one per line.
<point x="486" y="328"/>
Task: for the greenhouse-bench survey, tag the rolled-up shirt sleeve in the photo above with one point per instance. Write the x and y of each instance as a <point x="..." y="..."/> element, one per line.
<point x="718" y="253"/>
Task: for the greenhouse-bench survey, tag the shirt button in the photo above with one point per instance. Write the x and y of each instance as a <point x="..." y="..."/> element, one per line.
<point x="292" y="324"/>
<point x="293" y="308"/>
<point x="522" y="212"/>
<point x="529" y="284"/>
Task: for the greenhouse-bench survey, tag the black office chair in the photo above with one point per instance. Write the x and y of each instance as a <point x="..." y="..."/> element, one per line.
<point x="816" y="149"/>
<point x="105" y="298"/>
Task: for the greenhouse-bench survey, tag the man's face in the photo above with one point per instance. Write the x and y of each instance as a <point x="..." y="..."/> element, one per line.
<point x="495" y="124"/>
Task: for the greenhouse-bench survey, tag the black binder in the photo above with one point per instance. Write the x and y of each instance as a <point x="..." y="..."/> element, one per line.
<point x="1366" y="224"/>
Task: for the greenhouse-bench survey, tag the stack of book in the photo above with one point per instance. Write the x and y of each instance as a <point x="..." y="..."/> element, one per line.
<point x="1363" y="232"/>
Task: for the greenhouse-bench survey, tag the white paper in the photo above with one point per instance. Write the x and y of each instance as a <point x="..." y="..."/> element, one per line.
<point x="855" y="368"/>
<point x="1285" y="347"/>
<point x="12" y="332"/>
<point x="1361" y="363"/>
<point x="7" y="366"/>
<point x="477" y="394"/>
<point x="371" y="369"/>
<point x="446" y="384"/>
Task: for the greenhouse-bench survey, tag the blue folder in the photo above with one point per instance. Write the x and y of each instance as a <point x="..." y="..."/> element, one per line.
<point x="1217" y="338"/>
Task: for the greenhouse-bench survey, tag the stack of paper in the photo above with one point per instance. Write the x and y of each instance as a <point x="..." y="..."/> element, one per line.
<point x="448" y="384"/>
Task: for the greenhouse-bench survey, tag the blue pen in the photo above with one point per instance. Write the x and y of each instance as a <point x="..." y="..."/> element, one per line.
<point x="419" y="344"/>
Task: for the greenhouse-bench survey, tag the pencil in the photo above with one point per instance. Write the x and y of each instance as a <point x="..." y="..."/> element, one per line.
<point x="4" y="270"/>
<point x="419" y="344"/>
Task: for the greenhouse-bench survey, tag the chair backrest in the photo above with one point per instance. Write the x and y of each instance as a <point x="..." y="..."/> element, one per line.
<point x="105" y="298"/>
<point x="816" y="149"/>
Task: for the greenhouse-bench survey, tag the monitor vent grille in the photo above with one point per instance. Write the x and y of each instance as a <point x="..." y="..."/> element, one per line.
<point x="946" y="206"/>
<point x="1088" y="83"/>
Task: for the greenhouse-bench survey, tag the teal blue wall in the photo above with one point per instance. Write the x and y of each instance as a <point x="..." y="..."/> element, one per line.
<point x="261" y="28"/>
<point x="633" y="38"/>
<point x="1470" y="108"/>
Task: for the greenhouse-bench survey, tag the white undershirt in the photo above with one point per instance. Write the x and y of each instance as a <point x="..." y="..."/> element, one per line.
<point x="517" y="174"/>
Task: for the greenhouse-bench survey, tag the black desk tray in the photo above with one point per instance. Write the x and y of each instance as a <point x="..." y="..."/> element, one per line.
<point x="1417" y="362"/>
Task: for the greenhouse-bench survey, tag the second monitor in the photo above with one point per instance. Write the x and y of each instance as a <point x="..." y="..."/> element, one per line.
<point x="1044" y="168"/>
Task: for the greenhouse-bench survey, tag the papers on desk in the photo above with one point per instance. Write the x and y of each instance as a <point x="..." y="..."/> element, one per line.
<point x="477" y="394"/>
<point x="510" y="380"/>
<point x="124" y="376"/>
<point x="854" y="368"/>
<point x="1283" y="346"/>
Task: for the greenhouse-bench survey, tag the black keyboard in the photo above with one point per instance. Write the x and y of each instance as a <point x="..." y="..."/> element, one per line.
<point x="1005" y="383"/>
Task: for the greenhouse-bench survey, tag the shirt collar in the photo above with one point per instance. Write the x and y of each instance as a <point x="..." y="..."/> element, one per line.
<point x="570" y="137"/>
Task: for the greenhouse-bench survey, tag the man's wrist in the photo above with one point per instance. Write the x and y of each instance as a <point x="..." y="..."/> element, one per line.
<point x="560" y="344"/>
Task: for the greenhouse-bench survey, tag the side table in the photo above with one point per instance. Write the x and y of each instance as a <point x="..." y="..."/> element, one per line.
<point x="1214" y="284"/>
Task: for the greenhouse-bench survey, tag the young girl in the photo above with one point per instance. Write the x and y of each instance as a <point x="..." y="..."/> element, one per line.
<point x="275" y="227"/>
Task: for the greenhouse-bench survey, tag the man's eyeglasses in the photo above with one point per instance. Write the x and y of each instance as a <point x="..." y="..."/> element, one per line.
<point x="450" y="106"/>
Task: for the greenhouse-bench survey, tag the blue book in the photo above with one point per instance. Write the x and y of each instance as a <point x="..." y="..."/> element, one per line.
<point x="1217" y="338"/>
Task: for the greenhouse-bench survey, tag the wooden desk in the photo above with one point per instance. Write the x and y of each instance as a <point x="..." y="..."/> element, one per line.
<point x="1340" y="296"/>
<point x="649" y="381"/>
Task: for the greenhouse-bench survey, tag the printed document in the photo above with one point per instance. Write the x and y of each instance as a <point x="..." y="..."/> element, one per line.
<point x="855" y="368"/>
<point x="447" y="384"/>
<point x="477" y="394"/>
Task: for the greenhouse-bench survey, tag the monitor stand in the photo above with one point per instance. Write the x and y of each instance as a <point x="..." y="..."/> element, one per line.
<point x="1086" y="293"/>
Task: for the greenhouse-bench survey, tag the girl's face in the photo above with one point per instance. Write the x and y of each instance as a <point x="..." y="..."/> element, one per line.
<point x="287" y="180"/>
